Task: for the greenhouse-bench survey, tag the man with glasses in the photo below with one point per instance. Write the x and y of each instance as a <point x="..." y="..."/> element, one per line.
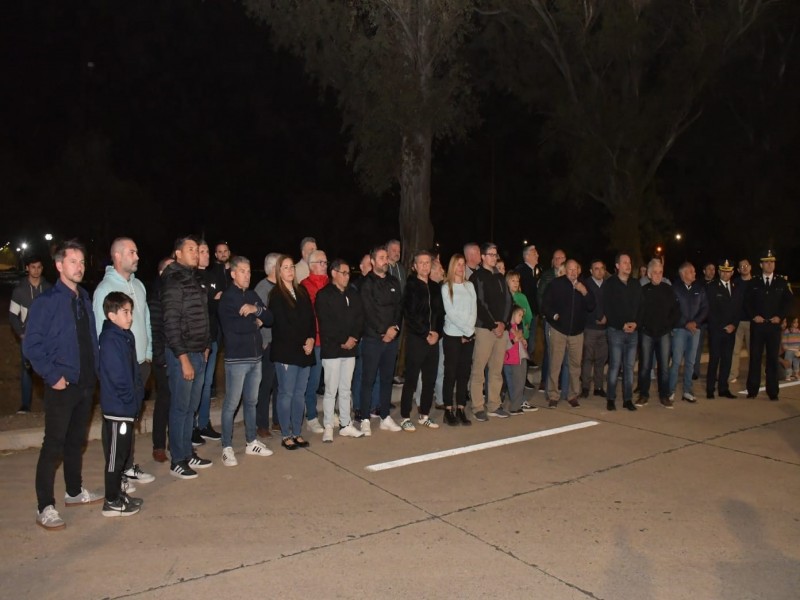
<point x="316" y="280"/>
<point x="120" y="276"/>
<point x="340" y="320"/>
<point x="494" y="309"/>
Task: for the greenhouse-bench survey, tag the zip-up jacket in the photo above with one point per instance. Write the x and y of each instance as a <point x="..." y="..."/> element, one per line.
<point x="340" y="316"/>
<point x="22" y="297"/>
<point x="141" y="326"/>
<point x="382" y="301"/>
<point x="291" y="327"/>
<point x="51" y="336"/>
<point x="157" y="322"/>
<point x="242" y="337"/>
<point x="621" y="301"/>
<point x="313" y="284"/>
<point x="659" y="312"/>
<point x="562" y="300"/>
<point x="185" y="304"/>
<point x="693" y="303"/>
<point x="423" y="310"/>
<point x="121" y="387"/>
<point x="494" y="301"/>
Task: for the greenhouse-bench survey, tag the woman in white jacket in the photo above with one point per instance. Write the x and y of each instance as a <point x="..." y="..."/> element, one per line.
<point x="461" y="311"/>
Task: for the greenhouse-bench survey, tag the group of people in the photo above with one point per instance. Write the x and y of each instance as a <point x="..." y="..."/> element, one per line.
<point x="464" y="335"/>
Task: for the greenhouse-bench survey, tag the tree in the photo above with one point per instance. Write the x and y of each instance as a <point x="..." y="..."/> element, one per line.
<point x="624" y="80"/>
<point x="396" y="69"/>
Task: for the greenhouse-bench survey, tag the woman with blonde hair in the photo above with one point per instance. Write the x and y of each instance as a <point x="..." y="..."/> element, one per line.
<point x="460" y="313"/>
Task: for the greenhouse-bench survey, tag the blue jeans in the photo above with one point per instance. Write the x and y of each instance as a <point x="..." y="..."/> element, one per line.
<point x="358" y="373"/>
<point x="621" y="353"/>
<point x="241" y="381"/>
<point x="184" y="400"/>
<point x="204" y="409"/>
<point x="26" y="381"/>
<point x="659" y="345"/>
<point x="292" y="382"/>
<point x="684" y="346"/>
<point x="313" y="383"/>
<point x="377" y="357"/>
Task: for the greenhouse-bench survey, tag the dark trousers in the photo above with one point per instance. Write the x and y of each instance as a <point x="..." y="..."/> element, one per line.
<point x="377" y="357"/>
<point x="161" y="407"/>
<point x="720" y="355"/>
<point x="267" y="392"/>
<point x="118" y="449"/>
<point x="423" y="358"/>
<point x="66" y="429"/>
<point x="457" y="366"/>
<point x="764" y="335"/>
<point x="654" y="348"/>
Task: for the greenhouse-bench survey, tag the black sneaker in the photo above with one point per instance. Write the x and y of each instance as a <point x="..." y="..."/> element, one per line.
<point x="208" y="433"/>
<point x="514" y="413"/>
<point x="529" y="385"/>
<point x="137" y="502"/>
<point x="197" y="439"/>
<point x="182" y="470"/>
<point x="195" y="462"/>
<point x="480" y="416"/>
<point x="119" y="508"/>
<point x="450" y="417"/>
<point x="461" y="415"/>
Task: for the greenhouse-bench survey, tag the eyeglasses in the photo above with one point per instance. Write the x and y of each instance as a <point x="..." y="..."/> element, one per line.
<point x="347" y="273"/>
<point x="319" y="262"/>
<point x="491" y="254"/>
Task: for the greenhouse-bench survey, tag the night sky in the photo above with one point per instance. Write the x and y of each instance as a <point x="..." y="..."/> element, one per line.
<point x="154" y="119"/>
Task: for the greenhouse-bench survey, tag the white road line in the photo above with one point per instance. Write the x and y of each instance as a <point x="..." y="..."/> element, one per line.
<point x="780" y="385"/>
<point x="402" y="462"/>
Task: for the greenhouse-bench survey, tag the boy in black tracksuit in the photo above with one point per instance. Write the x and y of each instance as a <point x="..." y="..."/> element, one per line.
<point x="121" y="395"/>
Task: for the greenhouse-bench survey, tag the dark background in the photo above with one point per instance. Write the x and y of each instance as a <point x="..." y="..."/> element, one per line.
<point x="154" y="119"/>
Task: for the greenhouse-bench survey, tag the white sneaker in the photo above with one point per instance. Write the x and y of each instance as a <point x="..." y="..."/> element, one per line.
<point x="126" y="485"/>
<point x="85" y="497"/>
<point x="388" y="424"/>
<point x="314" y="426"/>
<point x="327" y="435"/>
<point x="229" y="457"/>
<point x="366" y="428"/>
<point x="257" y="448"/>
<point x="351" y="431"/>
<point x="137" y="475"/>
<point x="50" y="519"/>
<point x="405" y="425"/>
<point x="426" y="421"/>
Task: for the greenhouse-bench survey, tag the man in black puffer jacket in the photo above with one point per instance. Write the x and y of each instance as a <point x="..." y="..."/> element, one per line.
<point x="188" y="338"/>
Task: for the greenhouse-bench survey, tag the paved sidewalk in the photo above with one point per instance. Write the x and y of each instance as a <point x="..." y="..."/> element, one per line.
<point x="699" y="502"/>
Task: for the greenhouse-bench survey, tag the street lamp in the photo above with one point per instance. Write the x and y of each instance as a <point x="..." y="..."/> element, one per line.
<point x="678" y="237"/>
<point x="48" y="237"/>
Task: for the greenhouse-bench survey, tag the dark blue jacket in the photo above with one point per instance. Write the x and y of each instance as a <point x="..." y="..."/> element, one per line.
<point x="693" y="303"/>
<point x="121" y="388"/>
<point x="51" y="337"/>
<point x="242" y="334"/>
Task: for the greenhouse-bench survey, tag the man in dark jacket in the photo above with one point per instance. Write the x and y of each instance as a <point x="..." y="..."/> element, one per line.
<point x="61" y="343"/>
<point x="595" y="341"/>
<point x="423" y="314"/>
<point x="621" y="303"/>
<point x="724" y="307"/>
<point x="161" y="405"/>
<point x="529" y="274"/>
<point x="566" y="304"/>
<point x="188" y="338"/>
<point x="383" y="314"/>
<point x="494" y="309"/>
<point x="686" y="335"/>
<point x="241" y="315"/>
<point x="340" y="319"/>
<point x="658" y="315"/>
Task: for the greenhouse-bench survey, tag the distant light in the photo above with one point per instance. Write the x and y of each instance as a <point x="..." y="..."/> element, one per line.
<point x="48" y="237"/>
<point x="678" y="237"/>
<point x="659" y="249"/>
<point x="24" y="245"/>
<point x="19" y="249"/>
<point x="525" y="242"/>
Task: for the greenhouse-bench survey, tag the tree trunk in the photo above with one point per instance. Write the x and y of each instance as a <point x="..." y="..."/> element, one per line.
<point x="625" y="229"/>
<point x="416" y="229"/>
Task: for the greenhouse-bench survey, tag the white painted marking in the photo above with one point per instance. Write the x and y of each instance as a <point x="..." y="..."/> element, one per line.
<point x="780" y="385"/>
<point x="402" y="462"/>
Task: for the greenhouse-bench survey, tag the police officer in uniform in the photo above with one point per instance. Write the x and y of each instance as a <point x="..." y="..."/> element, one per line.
<point x="768" y="300"/>
<point x="724" y="306"/>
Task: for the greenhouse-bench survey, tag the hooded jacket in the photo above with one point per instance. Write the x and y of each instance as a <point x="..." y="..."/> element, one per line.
<point x="121" y="388"/>
<point x="141" y="327"/>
